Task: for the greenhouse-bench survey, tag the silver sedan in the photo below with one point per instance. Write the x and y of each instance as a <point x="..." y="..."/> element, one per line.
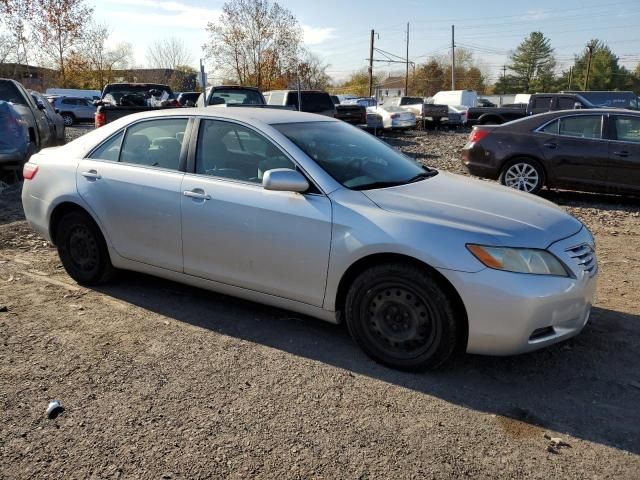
<point x="310" y="214"/>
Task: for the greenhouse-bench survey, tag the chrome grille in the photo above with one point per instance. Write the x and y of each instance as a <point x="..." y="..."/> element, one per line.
<point x="585" y="257"/>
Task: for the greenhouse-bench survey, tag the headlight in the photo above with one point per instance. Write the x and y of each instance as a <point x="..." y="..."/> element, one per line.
<point x="519" y="260"/>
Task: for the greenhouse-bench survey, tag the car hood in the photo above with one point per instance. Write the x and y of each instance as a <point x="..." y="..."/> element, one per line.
<point x="508" y="217"/>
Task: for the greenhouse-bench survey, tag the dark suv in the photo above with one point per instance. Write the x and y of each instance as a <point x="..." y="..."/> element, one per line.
<point x="313" y="101"/>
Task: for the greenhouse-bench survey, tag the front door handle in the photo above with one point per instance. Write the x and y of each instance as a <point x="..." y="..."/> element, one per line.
<point x="92" y="175"/>
<point x="551" y="145"/>
<point x="197" y="193"/>
<point x="622" y="153"/>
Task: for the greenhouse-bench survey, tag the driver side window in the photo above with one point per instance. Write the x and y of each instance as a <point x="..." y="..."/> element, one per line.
<point x="229" y="150"/>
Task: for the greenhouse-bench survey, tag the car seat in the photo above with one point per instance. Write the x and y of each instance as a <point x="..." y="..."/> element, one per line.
<point x="135" y="149"/>
<point x="165" y="153"/>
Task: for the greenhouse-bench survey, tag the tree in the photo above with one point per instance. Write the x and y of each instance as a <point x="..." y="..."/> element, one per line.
<point x="428" y="79"/>
<point x="59" y="26"/>
<point x="606" y="73"/>
<point x="15" y="15"/>
<point x="358" y="83"/>
<point x="6" y="47"/>
<point x="312" y="73"/>
<point x="101" y="60"/>
<point x="255" y="41"/>
<point x="533" y="64"/>
<point x="168" y="53"/>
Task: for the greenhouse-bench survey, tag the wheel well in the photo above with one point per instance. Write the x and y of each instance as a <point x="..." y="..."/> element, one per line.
<point x="382" y="258"/>
<point x="59" y="212"/>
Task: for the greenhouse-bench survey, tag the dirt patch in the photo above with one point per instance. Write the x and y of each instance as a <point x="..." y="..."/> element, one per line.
<point x="159" y="380"/>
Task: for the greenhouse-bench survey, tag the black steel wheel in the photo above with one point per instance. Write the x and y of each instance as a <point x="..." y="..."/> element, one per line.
<point x="82" y="249"/>
<point x="402" y="317"/>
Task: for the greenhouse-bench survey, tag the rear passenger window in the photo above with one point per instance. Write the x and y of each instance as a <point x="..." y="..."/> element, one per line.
<point x="154" y="143"/>
<point x="109" y="150"/>
<point x="551" y="128"/>
<point x="229" y="150"/>
<point x="542" y="103"/>
<point x="628" y="129"/>
<point x="584" y="126"/>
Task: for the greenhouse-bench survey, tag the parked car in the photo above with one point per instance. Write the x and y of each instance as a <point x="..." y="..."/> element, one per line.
<point x="593" y="150"/>
<point x="394" y="118"/>
<point x="33" y="116"/>
<point x="467" y="98"/>
<point x="609" y="99"/>
<point x="90" y="95"/>
<point x="75" y="109"/>
<point x="424" y="112"/>
<point x="313" y="101"/>
<point x="457" y="116"/>
<point x="307" y="213"/>
<point x="121" y="99"/>
<point x="374" y="123"/>
<point x="538" y="103"/>
<point x="231" y="95"/>
<point x="56" y="122"/>
<point x="14" y="140"/>
<point x="485" y="102"/>
<point x="188" y="99"/>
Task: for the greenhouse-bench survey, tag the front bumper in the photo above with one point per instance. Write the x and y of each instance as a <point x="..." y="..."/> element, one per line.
<point x="512" y="313"/>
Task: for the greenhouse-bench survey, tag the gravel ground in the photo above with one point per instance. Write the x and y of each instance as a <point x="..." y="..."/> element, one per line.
<point x="159" y="380"/>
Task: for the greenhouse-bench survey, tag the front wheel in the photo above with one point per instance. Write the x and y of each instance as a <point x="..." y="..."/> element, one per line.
<point x="401" y="317"/>
<point x="68" y="119"/>
<point x="83" y="250"/>
<point x="524" y="174"/>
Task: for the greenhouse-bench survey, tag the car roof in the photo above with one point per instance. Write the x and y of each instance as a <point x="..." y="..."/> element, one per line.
<point x="265" y="115"/>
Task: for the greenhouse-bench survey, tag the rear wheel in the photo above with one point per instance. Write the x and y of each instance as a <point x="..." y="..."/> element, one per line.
<point x="401" y="317"/>
<point x="68" y="119"/>
<point x="82" y="249"/>
<point x="524" y="174"/>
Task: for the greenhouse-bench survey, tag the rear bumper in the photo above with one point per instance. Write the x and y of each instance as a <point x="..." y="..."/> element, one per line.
<point x="479" y="162"/>
<point x="511" y="313"/>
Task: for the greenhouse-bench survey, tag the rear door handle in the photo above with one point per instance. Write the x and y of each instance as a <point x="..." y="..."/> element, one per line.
<point x="197" y="193"/>
<point x="92" y="174"/>
<point x="551" y="145"/>
<point x="623" y="153"/>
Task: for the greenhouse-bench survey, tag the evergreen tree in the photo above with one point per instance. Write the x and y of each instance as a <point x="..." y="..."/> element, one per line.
<point x="606" y="73"/>
<point x="533" y="64"/>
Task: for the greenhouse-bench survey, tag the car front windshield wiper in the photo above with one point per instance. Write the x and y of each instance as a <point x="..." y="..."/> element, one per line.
<point x="422" y="176"/>
<point x="372" y="185"/>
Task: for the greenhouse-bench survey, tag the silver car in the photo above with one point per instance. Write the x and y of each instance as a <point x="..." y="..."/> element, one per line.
<point x="310" y="214"/>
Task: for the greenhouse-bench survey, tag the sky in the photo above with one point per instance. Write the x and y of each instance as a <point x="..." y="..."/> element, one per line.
<point x="338" y="31"/>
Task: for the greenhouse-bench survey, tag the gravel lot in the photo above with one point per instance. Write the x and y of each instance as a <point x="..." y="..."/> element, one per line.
<point x="159" y="380"/>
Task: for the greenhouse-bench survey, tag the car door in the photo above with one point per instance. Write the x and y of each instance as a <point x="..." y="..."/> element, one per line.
<point x="44" y="135"/>
<point x="132" y="183"/>
<point x="574" y="149"/>
<point x="85" y="110"/>
<point x="624" y="153"/>
<point x="237" y="233"/>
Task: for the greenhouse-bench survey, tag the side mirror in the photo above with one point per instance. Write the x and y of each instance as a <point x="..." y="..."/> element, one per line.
<point x="40" y="106"/>
<point x="284" y="180"/>
<point x="577" y="106"/>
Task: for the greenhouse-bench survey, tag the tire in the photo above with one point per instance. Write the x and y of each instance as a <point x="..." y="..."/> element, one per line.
<point x="68" y="118"/>
<point x="402" y="318"/>
<point x="83" y="250"/>
<point x="524" y="174"/>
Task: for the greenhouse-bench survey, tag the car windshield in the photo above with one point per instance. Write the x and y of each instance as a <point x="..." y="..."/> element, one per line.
<point x="354" y="158"/>
<point x="235" y="96"/>
<point x="9" y="93"/>
<point x="411" y="101"/>
<point x="394" y="109"/>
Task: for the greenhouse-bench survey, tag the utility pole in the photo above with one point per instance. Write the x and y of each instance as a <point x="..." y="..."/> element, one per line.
<point x="371" y="65"/>
<point x="453" y="58"/>
<point x="406" y="75"/>
<point x="504" y="81"/>
<point x="570" y="76"/>
<point x="586" y="78"/>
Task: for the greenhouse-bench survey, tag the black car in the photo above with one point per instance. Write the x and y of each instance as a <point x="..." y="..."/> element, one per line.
<point x="589" y="150"/>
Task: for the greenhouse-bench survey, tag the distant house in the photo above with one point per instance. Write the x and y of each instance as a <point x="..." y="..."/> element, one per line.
<point x="33" y="78"/>
<point x="390" y="87"/>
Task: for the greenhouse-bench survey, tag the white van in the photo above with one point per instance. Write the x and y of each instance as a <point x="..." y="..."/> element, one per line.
<point x="74" y="92"/>
<point x="466" y="98"/>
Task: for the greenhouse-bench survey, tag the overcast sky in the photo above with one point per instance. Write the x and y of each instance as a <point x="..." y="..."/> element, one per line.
<point x="338" y="30"/>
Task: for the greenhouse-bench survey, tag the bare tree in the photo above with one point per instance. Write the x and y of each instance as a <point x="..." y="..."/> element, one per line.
<point x="312" y="72"/>
<point x="101" y="59"/>
<point x="59" y="27"/>
<point x="255" y="41"/>
<point x="168" y="53"/>
<point x="15" y="15"/>
<point x="6" y="47"/>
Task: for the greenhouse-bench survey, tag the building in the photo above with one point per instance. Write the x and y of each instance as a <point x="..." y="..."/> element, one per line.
<point x="389" y="88"/>
<point x="33" y="78"/>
